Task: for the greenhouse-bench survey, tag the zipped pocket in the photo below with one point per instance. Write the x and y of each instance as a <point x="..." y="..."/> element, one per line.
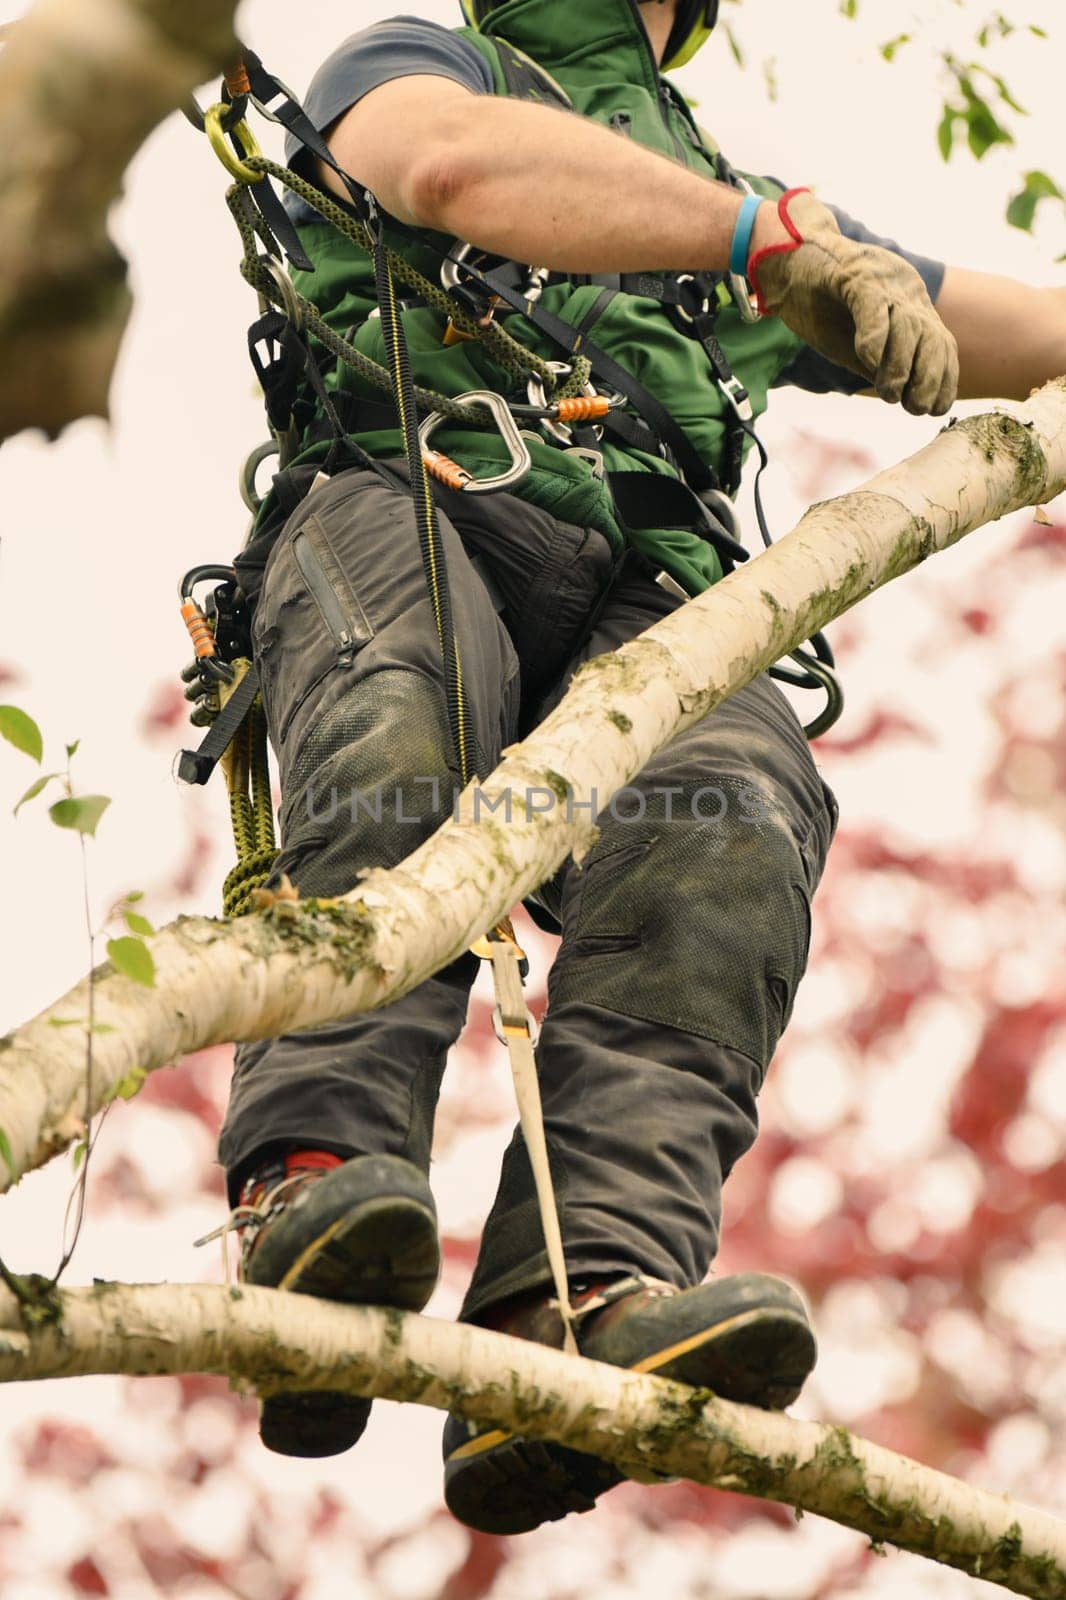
<point x="343" y="628"/>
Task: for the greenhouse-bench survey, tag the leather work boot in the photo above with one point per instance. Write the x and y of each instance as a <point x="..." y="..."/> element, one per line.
<point x="362" y="1231"/>
<point x="746" y="1337"/>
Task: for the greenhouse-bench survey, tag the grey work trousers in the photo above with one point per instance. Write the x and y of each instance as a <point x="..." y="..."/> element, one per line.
<point x="684" y="932"/>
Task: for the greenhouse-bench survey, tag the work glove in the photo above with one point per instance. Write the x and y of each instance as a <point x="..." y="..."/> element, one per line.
<point x="862" y="307"/>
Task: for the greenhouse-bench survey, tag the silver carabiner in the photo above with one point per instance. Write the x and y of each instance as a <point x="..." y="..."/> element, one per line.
<point x="537" y="395"/>
<point x="454" y="476"/>
<point x="536" y="391"/>
<point x="290" y="300"/>
<point x="451" y="267"/>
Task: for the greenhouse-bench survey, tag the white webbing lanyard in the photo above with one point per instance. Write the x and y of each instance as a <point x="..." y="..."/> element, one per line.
<point x="517" y="1029"/>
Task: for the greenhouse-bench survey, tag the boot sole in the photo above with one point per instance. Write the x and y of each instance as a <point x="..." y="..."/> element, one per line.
<point x="381" y="1252"/>
<point x="503" y="1483"/>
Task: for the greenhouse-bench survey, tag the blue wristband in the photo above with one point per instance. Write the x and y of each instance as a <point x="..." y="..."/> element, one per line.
<point x="738" y="255"/>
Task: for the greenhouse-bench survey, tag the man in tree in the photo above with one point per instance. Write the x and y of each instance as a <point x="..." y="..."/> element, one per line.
<point x="685" y="931"/>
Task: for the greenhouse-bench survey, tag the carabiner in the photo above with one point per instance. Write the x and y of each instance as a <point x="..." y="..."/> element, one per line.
<point x="451" y="474"/>
<point x="214" y="127"/>
<point x="290" y="300"/>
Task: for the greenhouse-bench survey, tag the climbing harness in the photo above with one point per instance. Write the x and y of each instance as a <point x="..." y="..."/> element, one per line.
<point x="563" y="404"/>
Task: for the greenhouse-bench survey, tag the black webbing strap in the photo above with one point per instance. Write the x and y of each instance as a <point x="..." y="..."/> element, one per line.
<point x="196" y="766"/>
<point x="279" y="357"/>
<point x="665" y="426"/>
<point x="654" y="500"/>
<point x="277" y="220"/>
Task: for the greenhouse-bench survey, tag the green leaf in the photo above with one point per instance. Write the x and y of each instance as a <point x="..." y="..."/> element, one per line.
<point x="138" y="924"/>
<point x="1041" y="33"/>
<point x="133" y="959"/>
<point x="34" y="790"/>
<point x="5" y="1152"/>
<point x="945" y="133"/>
<point x="132" y="898"/>
<point x="72" y="749"/>
<point x="734" y="46"/>
<point x="849" y="8"/>
<point x="1006" y="96"/>
<point x="982" y="129"/>
<point x="19" y="729"/>
<point x="80" y="812"/>
<point x="1022" y="208"/>
<point x="769" y="73"/>
<point x="127" y="1087"/>
<point x="81" y="1150"/>
<point x="892" y="46"/>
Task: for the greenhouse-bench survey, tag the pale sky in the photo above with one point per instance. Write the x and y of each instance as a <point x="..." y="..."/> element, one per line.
<point x="98" y="529"/>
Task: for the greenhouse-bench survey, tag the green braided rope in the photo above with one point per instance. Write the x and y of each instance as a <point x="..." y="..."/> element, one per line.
<point x="262" y="800"/>
<point x="507" y="351"/>
<point x="244" y="879"/>
<point x="251" y="815"/>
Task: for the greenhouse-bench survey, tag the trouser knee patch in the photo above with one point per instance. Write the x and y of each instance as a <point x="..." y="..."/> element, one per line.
<point x="369" y="783"/>
<point x="702" y="926"/>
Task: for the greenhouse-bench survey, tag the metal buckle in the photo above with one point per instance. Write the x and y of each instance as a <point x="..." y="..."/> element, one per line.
<point x="592" y="458"/>
<point x="684" y="315"/>
<point x="499" y="1027"/>
<point x="535" y="284"/>
<point x="734" y="393"/>
<point x="458" y="477"/>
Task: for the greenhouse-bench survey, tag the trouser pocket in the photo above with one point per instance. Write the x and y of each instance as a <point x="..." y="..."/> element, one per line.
<point x="309" y="621"/>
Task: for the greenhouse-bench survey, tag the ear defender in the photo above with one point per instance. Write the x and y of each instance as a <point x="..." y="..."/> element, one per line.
<point x="694" y="27"/>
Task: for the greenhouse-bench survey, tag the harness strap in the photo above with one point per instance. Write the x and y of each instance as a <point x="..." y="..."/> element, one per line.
<point x="653" y="500"/>
<point x="517" y="1029"/>
<point x="661" y="422"/>
<point x="196" y="766"/>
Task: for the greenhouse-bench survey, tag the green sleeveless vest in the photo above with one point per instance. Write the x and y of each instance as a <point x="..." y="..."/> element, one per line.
<point x="597" y="51"/>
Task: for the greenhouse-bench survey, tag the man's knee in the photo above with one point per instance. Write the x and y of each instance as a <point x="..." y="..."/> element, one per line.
<point x="373" y="778"/>
<point x="696" y="916"/>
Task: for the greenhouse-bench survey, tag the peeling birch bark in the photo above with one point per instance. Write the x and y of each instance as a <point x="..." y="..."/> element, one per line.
<point x="82" y="84"/>
<point x="267" y="1340"/>
<point x="318" y="961"/>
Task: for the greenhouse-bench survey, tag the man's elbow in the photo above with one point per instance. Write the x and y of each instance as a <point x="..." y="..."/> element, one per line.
<point x="441" y="179"/>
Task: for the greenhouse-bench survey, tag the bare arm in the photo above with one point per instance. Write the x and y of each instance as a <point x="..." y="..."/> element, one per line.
<point x="1011" y="337"/>
<point x="534" y="183"/>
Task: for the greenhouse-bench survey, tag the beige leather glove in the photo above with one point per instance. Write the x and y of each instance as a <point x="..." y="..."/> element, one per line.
<point x="863" y="307"/>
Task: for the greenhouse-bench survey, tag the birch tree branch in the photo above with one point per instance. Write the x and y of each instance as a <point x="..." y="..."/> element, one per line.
<point x="268" y="1340"/>
<point x="82" y="84"/>
<point x="319" y="961"/>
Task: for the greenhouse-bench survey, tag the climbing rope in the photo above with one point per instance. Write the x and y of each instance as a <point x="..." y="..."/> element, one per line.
<point x="247" y="770"/>
<point x="508" y="352"/>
